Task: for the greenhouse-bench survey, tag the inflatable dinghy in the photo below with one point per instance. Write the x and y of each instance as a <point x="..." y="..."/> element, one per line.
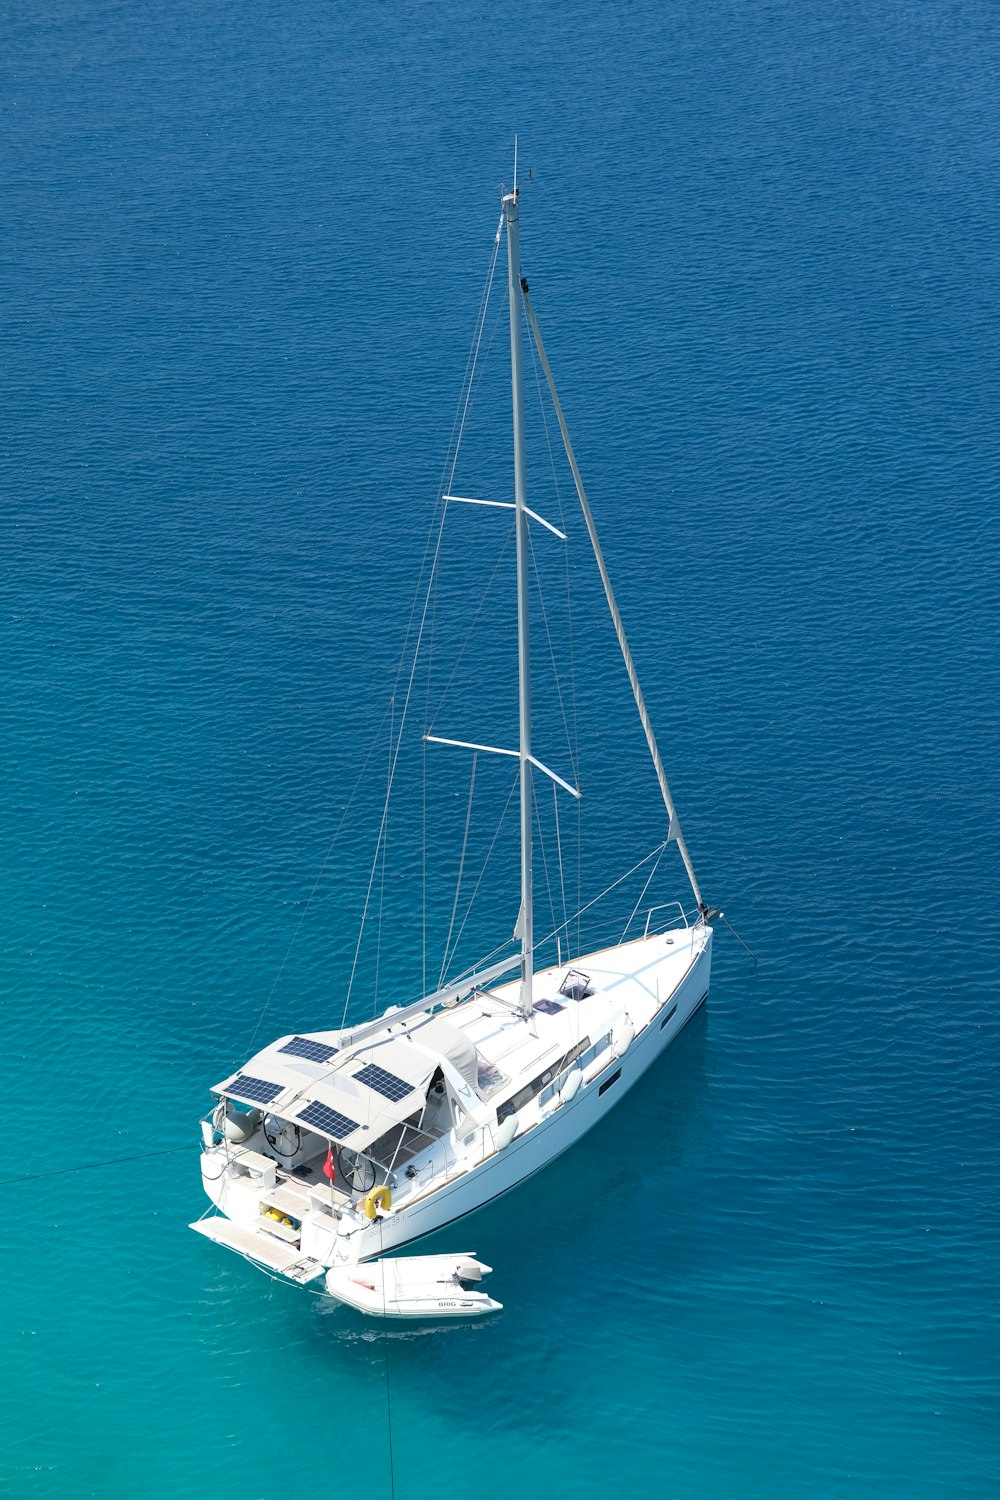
<point x="417" y="1286"/>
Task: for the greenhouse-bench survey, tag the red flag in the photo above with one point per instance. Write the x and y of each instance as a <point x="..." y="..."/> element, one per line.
<point x="328" y="1167"/>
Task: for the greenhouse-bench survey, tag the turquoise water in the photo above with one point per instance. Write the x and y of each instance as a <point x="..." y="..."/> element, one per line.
<point x="243" y="249"/>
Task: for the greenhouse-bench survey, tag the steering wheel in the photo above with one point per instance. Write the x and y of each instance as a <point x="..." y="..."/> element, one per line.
<point x="355" y="1169"/>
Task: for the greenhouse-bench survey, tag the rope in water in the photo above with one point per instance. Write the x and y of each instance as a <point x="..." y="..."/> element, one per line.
<point x="90" y="1166"/>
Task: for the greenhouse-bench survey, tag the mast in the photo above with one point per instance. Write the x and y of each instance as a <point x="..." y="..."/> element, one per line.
<point x="525" y="929"/>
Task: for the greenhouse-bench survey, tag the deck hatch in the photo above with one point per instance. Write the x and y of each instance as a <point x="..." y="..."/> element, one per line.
<point x="384" y="1082"/>
<point x="260" y="1090"/>
<point x="303" y="1046"/>
<point x="329" y="1121"/>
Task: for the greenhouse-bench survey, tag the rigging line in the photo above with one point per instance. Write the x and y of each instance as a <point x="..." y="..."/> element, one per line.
<point x="574" y="739"/>
<point x="319" y="877"/>
<point x="575" y="714"/>
<point x="395" y="749"/>
<point x="608" y="889"/>
<point x="552" y="654"/>
<point x="468" y="376"/>
<point x="482" y="873"/>
<point x="428" y="684"/>
<point x="397" y="745"/>
<point x="381" y="900"/>
<point x="447" y="487"/>
<point x="722" y="918"/>
<point x="434" y="562"/>
<point x="489" y="350"/>
<point x="579" y="875"/>
<point x="480" y="323"/>
<point x="541" y="844"/>
<point x="458" y="426"/>
<point x="461" y="868"/>
<point x="394" y="756"/>
<point x="475" y="620"/>
<point x="562" y="881"/>
<point x="423" y="820"/>
<point x="565" y="527"/>
<point x="477" y="381"/>
<point x="673" y="824"/>
<point x="419" y="591"/>
<point x="642" y="893"/>
<point x="461" y="417"/>
<point x="91" y="1166"/>
<point x="420" y="588"/>
<point x="470" y="970"/>
<point x="423" y="865"/>
<point x="454" y="445"/>
<point x="548" y="437"/>
<point x="371" y="876"/>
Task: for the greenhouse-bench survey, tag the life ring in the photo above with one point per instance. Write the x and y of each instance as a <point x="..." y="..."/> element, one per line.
<point x="379" y="1198"/>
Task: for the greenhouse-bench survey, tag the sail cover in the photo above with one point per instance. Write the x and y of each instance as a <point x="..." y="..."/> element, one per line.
<point x="454" y="1045"/>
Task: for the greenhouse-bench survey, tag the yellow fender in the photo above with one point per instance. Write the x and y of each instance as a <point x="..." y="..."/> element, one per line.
<point x="379" y="1198"/>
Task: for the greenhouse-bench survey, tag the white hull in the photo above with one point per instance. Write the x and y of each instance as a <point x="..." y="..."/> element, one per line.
<point x="475" y="1181"/>
<point x="546" y="1141"/>
<point x="424" y="1286"/>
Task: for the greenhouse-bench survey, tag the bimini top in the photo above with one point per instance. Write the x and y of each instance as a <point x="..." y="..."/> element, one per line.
<point x="351" y="1096"/>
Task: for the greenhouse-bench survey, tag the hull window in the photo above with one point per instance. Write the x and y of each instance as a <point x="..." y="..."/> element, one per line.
<point x="521" y="1098"/>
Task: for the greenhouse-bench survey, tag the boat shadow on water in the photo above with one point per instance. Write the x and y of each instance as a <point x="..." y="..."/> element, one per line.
<point x="589" y="1193"/>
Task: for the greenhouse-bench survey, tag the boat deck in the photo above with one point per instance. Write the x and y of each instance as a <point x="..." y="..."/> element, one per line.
<point x="520" y="1048"/>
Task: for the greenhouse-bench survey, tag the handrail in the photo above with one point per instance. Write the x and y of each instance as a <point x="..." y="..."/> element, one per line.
<point x="663" y="907"/>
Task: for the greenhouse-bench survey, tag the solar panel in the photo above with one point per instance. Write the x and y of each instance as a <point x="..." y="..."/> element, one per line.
<point x="386" y="1084"/>
<point x="302" y="1046"/>
<point x="329" y="1121"/>
<point x="258" y="1089"/>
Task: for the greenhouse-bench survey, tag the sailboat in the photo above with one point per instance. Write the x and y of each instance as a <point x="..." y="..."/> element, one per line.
<point x="326" y="1151"/>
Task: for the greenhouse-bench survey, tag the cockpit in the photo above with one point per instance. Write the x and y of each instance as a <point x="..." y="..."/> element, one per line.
<point x="343" y="1121"/>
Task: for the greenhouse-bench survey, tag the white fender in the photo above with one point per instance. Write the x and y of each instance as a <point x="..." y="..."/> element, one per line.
<point x="623" y="1037"/>
<point x="571" y="1087"/>
<point x="506" y="1132"/>
<point x="238" y="1126"/>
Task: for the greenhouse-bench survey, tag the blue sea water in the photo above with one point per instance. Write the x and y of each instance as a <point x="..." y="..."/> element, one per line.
<point x="242" y="253"/>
